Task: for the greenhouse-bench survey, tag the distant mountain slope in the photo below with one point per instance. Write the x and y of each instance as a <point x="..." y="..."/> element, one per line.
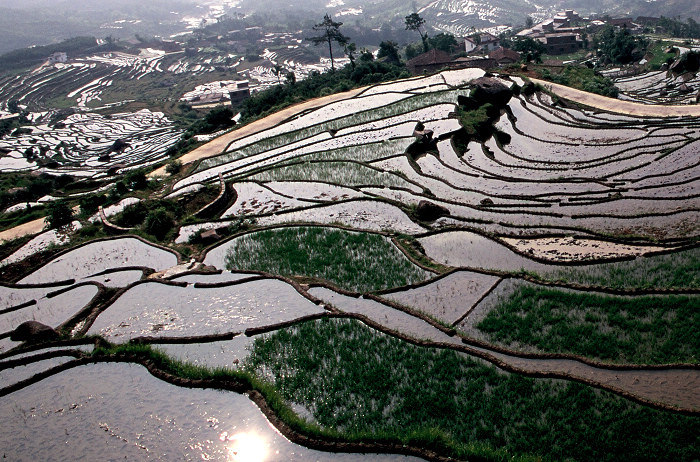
<point x="40" y="22"/>
<point x="458" y="16"/>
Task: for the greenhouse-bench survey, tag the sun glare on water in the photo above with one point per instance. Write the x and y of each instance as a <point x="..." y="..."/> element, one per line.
<point x="247" y="447"/>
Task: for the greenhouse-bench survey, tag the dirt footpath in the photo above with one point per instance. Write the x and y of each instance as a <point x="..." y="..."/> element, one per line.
<point x="619" y="106"/>
<point x="26" y="229"/>
<point x="31" y="227"/>
<point x="218" y="145"/>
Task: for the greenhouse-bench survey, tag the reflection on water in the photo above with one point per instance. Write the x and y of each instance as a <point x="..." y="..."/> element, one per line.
<point x="246" y="447"/>
<point x="119" y="411"/>
<point x="158" y="309"/>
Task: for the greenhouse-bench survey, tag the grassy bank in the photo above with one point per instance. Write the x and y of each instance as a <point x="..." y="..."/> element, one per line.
<point x="642" y="330"/>
<point x="355" y="261"/>
<point x="360" y="382"/>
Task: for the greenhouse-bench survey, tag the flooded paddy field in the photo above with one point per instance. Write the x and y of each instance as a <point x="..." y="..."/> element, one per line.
<point x="377" y="281"/>
<point x="112" y="411"/>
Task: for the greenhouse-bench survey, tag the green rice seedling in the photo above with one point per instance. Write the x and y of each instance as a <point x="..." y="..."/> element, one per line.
<point x="407" y="105"/>
<point x="356" y="261"/>
<point x="678" y="270"/>
<point x="363" y="153"/>
<point x="642" y="330"/>
<point x="370" y="386"/>
<point x="335" y="172"/>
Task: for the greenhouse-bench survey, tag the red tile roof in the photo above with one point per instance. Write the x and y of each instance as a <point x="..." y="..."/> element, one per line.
<point x="432" y="57"/>
<point x="501" y="53"/>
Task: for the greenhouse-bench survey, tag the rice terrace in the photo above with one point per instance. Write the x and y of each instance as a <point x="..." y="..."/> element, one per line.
<point x="462" y="265"/>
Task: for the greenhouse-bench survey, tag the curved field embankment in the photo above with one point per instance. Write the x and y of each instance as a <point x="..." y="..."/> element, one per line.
<point x="218" y="145"/>
<point x="619" y="106"/>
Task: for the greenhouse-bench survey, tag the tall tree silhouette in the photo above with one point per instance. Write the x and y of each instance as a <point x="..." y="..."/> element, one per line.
<point x="415" y="22"/>
<point x="330" y="32"/>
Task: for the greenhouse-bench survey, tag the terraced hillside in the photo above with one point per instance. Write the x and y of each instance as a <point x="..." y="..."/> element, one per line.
<point x="452" y="266"/>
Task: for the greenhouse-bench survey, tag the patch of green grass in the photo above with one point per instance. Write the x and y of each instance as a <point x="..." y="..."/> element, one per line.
<point x="578" y="55"/>
<point x="355" y="261"/>
<point x="245" y="379"/>
<point x="581" y="78"/>
<point x="359" y="382"/>
<point x="678" y="270"/>
<point x="477" y="123"/>
<point x="640" y="330"/>
<point x="10" y="220"/>
<point x="659" y="57"/>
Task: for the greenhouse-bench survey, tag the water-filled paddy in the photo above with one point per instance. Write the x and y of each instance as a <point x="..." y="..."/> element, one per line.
<point x="113" y="411"/>
<point x="155" y="309"/>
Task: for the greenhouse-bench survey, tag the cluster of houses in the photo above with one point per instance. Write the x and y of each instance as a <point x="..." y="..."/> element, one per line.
<point x="563" y="34"/>
<point x="216" y="92"/>
<point x="483" y="50"/>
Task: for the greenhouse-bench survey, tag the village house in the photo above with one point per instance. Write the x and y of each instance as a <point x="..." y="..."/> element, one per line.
<point x="437" y="60"/>
<point x="58" y="57"/>
<point x="562" y="43"/>
<point x="560" y="35"/>
<point x="240" y="93"/>
<point x="483" y="42"/>
<point x="505" y="56"/>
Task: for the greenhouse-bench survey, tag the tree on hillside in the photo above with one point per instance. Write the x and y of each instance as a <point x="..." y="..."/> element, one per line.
<point x="445" y="42"/>
<point x="531" y="48"/>
<point x="58" y="214"/>
<point x="277" y="70"/>
<point x="330" y="32"/>
<point x="619" y="46"/>
<point x="390" y="51"/>
<point x="158" y="223"/>
<point x="220" y="117"/>
<point x="290" y="78"/>
<point x="416" y="23"/>
<point x="350" y="51"/>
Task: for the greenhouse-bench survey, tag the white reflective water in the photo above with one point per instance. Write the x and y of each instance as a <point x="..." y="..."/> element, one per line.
<point x="112" y="412"/>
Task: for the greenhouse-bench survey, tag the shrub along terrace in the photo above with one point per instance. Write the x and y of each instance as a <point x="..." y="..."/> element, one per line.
<point x="374" y="387"/>
<point x="365" y="72"/>
<point x="639" y="330"/>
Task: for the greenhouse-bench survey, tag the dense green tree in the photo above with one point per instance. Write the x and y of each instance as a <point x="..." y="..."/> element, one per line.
<point x="390" y="51"/>
<point x="676" y="28"/>
<point x="90" y="204"/>
<point x="619" y="46"/>
<point x="220" y="117"/>
<point x="330" y="32"/>
<point x="366" y="55"/>
<point x="688" y="62"/>
<point x="59" y="214"/>
<point x="136" y="179"/>
<point x="13" y="106"/>
<point x="445" y="42"/>
<point x="366" y="71"/>
<point x="132" y="215"/>
<point x="413" y="50"/>
<point x="158" y="223"/>
<point x="277" y="70"/>
<point x="531" y="48"/>
<point x="173" y="167"/>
